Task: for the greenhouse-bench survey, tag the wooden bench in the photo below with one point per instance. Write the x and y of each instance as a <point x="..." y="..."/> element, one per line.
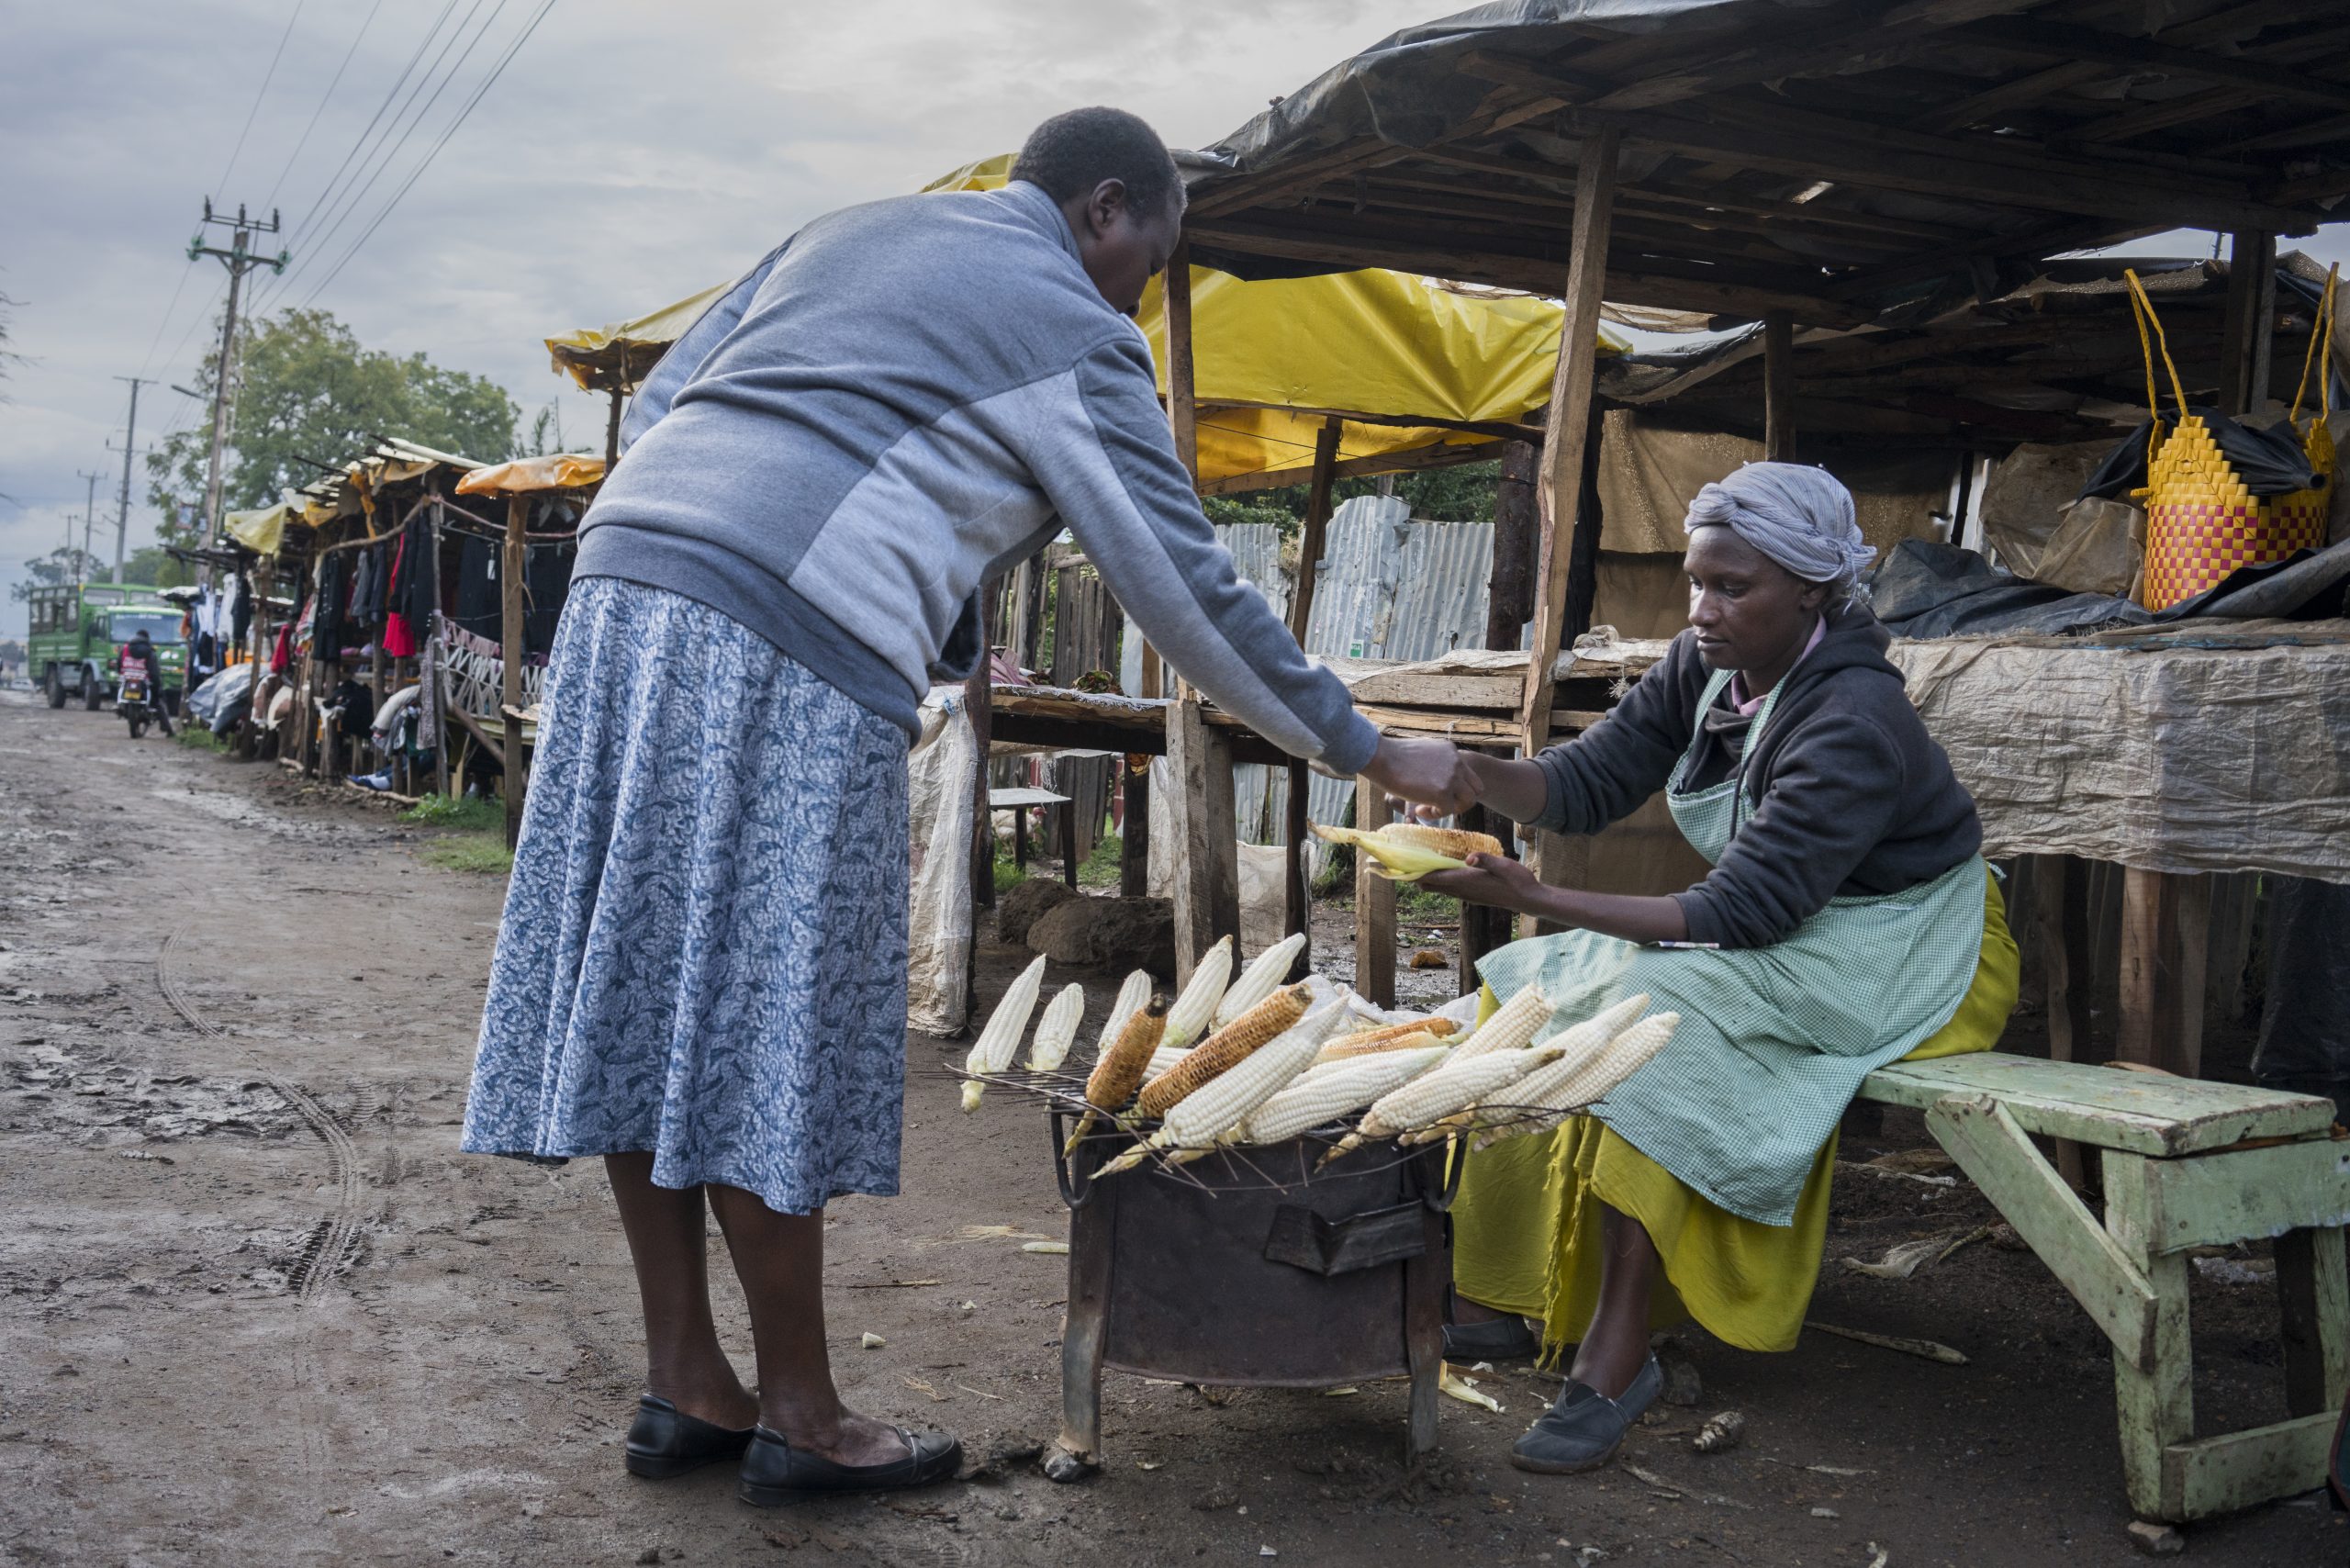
<point x="2185" y="1163"/>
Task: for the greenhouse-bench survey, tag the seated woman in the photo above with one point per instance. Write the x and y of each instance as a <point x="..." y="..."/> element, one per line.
<point x="1848" y="921"/>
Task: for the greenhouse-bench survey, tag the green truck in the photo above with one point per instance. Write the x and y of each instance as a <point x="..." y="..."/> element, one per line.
<point x="78" y="633"/>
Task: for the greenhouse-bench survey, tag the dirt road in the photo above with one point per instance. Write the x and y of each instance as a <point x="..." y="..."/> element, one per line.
<point x="255" y="1308"/>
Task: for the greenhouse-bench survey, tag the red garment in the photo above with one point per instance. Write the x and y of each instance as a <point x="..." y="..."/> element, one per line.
<point x="281" y="658"/>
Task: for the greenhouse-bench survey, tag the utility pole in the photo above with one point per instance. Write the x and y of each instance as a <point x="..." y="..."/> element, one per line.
<point x="89" y="515"/>
<point x="129" y="441"/>
<point x="240" y="260"/>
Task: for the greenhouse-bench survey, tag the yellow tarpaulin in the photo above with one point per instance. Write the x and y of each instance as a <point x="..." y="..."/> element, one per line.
<point x="262" y="531"/>
<point x="1365" y="343"/>
<point x="556" y="471"/>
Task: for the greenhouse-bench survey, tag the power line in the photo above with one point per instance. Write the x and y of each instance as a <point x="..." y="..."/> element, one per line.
<point x="383" y="156"/>
<point x="494" y="71"/>
<point x="318" y="202"/>
<point x="324" y="98"/>
<point x="265" y="79"/>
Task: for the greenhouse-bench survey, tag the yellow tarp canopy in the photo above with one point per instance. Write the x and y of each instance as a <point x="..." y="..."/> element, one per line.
<point x="262" y="531"/>
<point x="556" y="471"/>
<point x="1365" y="343"/>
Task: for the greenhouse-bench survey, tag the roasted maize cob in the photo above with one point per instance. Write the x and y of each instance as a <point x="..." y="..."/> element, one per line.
<point x="1260" y="979"/>
<point x="1434" y="1095"/>
<point x="1196" y="1122"/>
<point x="1387" y="1037"/>
<point x="1120" y="1072"/>
<point x="1132" y="997"/>
<point x="1595" y="1075"/>
<point x="1406" y="851"/>
<point x="1194" y="1006"/>
<point x="1271" y="1018"/>
<point x="999" y="1040"/>
<point x="1512" y="1027"/>
<point x="1057" y="1031"/>
<point x="1323" y="1093"/>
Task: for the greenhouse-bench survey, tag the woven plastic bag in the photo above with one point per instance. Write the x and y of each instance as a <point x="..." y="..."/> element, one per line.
<point x="2203" y="522"/>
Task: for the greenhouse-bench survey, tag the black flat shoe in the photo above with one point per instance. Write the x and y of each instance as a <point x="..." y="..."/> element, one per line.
<point x="1586" y="1428"/>
<point x="663" y="1441"/>
<point x="774" y="1473"/>
<point x="1501" y="1339"/>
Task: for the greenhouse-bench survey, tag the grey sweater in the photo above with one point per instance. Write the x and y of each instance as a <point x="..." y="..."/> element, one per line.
<point x="1847" y="794"/>
<point x="903" y="400"/>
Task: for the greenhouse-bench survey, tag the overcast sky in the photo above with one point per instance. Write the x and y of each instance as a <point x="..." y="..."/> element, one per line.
<point x="629" y="155"/>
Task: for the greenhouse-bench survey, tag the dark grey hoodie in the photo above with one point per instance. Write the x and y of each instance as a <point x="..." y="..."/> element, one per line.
<point x="1846" y="792"/>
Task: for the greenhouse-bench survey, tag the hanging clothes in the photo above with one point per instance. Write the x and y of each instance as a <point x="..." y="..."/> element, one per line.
<point x="240" y="615"/>
<point x="326" y="627"/>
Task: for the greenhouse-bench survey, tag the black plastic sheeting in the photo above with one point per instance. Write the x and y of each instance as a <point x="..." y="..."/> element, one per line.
<point x="2305" y="1023"/>
<point x="1924" y="589"/>
<point x="2270" y="462"/>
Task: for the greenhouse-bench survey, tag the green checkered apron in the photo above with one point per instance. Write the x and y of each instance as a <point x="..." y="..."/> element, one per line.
<point x="1773" y="1041"/>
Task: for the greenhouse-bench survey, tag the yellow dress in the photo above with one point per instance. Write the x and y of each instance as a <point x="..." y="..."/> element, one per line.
<point x="1527" y="1222"/>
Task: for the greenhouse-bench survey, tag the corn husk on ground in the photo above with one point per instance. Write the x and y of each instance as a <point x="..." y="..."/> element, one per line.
<point x="1000" y="1038"/>
<point x="1195" y="1005"/>
<point x="1120" y="1072"/>
<point x="1455" y="1086"/>
<point x="1332" y="1090"/>
<point x="1195" y="1123"/>
<point x="1545" y="1104"/>
<point x="1387" y="1037"/>
<point x="1406" y="851"/>
<point x="1260" y="979"/>
<point x="1057" y="1031"/>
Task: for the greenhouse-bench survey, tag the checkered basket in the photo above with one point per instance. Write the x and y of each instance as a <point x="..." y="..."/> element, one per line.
<point x="2201" y="522"/>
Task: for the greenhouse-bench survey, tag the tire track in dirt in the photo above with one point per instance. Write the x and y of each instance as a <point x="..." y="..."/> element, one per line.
<point x="331" y="1240"/>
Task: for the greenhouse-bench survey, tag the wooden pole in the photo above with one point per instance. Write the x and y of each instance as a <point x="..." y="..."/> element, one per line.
<point x="2252" y="262"/>
<point x="1205" y="854"/>
<point x="612" y="433"/>
<point x="978" y="701"/>
<point x="1311" y="541"/>
<point x="1134" y="845"/>
<point x="1374" y="909"/>
<point x="513" y="648"/>
<point x="1517" y="527"/>
<point x="1779" y="386"/>
<point x="431" y="566"/>
<point x="1182" y="402"/>
<point x="2165" y="942"/>
<point x="1566" y="430"/>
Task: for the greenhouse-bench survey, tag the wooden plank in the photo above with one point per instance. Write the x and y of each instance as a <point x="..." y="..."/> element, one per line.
<point x="1313" y="536"/>
<point x="433" y="660"/>
<point x="1518" y="525"/>
<point x="1297" y="908"/>
<point x="2165" y="941"/>
<point x="1133" y="830"/>
<point x="1375" y="910"/>
<point x="1182" y="403"/>
<point x="978" y="701"/>
<point x="1411" y="460"/>
<point x="2210" y="1476"/>
<point x="1568" y="428"/>
<point x="513" y="651"/>
<point x="2137" y="1112"/>
<point x="2154" y="1396"/>
<point x="1779" y="386"/>
<point x="2055" y="40"/>
<point x="2213" y="1200"/>
<point x="2313" y="1302"/>
<point x="1998" y="1157"/>
<point x="1205" y="848"/>
<point x="2059" y="940"/>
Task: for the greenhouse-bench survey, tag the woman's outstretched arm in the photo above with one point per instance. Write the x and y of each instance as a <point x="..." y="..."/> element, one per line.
<point x="1503" y="883"/>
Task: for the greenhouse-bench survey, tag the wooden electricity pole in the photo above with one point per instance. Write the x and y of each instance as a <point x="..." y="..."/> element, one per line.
<point x="240" y="260"/>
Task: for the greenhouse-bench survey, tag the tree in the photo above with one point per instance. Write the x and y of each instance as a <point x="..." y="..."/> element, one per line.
<point x="310" y="399"/>
<point x="66" y="563"/>
<point x="7" y="358"/>
<point x="155" y="568"/>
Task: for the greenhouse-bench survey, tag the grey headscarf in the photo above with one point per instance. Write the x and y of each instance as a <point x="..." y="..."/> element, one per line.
<point x="1801" y="518"/>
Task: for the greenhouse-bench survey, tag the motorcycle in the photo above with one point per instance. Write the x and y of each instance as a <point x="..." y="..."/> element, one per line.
<point x="131" y="703"/>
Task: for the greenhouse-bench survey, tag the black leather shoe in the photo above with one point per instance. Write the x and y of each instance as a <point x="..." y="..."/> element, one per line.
<point x="663" y="1441"/>
<point x="1586" y="1428"/>
<point x="1499" y="1339"/>
<point x="774" y="1473"/>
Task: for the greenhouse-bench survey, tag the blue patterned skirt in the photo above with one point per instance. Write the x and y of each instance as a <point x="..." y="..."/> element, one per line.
<point x="703" y="953"/>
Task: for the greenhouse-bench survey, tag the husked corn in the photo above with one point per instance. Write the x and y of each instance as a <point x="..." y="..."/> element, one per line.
<point x="1455" y="1086"/>
<point x="1132" y="997"/>
<point x="1057" y="1031"/>
<point x="1388" y="1038"/>
<point x="1000" y="1038"/>
<point x="1585" y="1040"/>
<point x="1321" y="1093"/>
<point x="1163" y="1060"/>
<point x="1194" y="1006"/>
<point x="1224" y="1050"/>
<point x="1223" y="1101"/>
<point x="1513" y="1025"/>
<point x="1590" y="1079"/>
<point x="1119" y="1072"/>
<point x="1260" y="979"/>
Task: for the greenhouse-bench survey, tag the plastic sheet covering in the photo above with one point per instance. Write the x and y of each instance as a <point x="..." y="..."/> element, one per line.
<point x="940" y="774"/>
<point x="621" y="353"/>
<point x="263" y="531"/>
<point x="230" y="686"/>
<point x="2167" y="758"/>
<point x="554" y="471"/>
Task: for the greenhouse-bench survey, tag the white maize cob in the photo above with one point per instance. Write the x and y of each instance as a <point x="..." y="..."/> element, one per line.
<point x="1585" y="1040"/>
<point x="1577" y="1048"/>
<point x="1324" y="1092"/>
<point x="1057" y="1031"/>
<point x="1196" y="1121"/>
<point x="1622" y="1057"/>
<point x="1512" y="1027"/>
<point x="1431" y="1097"/>
<point x="1195" y="1007"/>
<point x="1263" y="975"/>
<point x="1132" y="997"/>
<point x="1164" y="1060"/>
<point x="999" y="1039"/>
